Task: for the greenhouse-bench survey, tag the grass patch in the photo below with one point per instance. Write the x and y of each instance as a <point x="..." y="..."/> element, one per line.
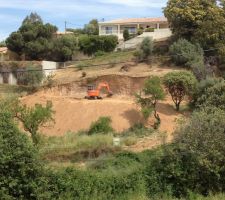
<point x="107" y="58"/>
<point x="76" y="147"/>
<point x="15" y="90"/>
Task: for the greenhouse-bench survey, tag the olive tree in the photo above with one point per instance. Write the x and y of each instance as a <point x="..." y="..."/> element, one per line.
<point x="180" y="84"/>
<point x="33" y="118"/>
<point x="149" y="97"/>
<point x="145" y="50"/>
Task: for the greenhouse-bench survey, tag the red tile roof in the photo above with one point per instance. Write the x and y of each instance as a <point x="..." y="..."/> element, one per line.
<point x="136" y="20"/>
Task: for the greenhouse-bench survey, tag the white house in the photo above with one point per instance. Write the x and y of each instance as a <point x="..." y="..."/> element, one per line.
<point x="134" y="25"/>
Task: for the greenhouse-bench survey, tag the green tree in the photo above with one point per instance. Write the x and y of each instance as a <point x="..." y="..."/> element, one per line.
<point x="180" y="84"/>
<point x="33" y="118"/>
<point x="185" y="53"/>
<point x="145" y="51"/>
<point x="20" y="168"/>
<point x="153" y="92"/>
<point x="210" y="93"/>
<point x="32" y="18"/>
<point x="94" y="43"/>
<point x="33" y="77"/>
<point x="126" y="35"/>
<point x="197" y="20"/>
<point x="64" y="48"/>
<point x="33" y="38"/>
<point x="194" y="163"/>
<point x="92" y="27"/>
<point x="2" y="43"/>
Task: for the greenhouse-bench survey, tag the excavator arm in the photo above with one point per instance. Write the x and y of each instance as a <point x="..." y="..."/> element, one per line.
<point x="104" y="85"/>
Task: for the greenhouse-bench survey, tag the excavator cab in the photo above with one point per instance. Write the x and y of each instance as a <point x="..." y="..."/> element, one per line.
<point x="94" y="93"/>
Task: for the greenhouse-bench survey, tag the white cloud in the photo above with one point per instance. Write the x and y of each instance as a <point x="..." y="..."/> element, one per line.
<point x="137" y="3"/>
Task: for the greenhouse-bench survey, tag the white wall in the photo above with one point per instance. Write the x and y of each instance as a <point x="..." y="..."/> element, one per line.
<point x="1" y="79"/>
<point x="49" y="67"/>
<point x="12" y="79"/>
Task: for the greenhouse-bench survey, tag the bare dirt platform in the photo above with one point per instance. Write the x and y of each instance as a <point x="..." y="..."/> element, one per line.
<point x="73" y="114"/>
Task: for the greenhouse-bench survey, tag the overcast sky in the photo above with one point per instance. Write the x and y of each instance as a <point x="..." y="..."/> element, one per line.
<point x="75" y="12"/>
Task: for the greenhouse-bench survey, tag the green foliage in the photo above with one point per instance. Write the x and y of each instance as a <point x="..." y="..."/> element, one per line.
<point x="64" y="48"/>
<point x="20" y="169"/>
<point x="153" y="92"/>
<point x="210" y="93"/>
<point x="99" y="53"/>
<point x="32" y="18"/>
<point x="33" y="38"/>
<point x="33" y="77"/>
<point x="102" y="125"/>
<point x="189" y="55"/>
<point x="196" y="162"/>
<point x="149" y="30"/>
<point x="74" y="184"/>
<point x="78" y="147"/>
<point x="199" y="21"/>
<point x="185" y="53"/>
<point x="138" y="130"/>
<point x="126" y="35"/>
<point x="145" y="51"/>
<point x="91" y="28"/>
<point x="93" y="43"/>
<point x="34" y="117"/>
<point x="2" y="43"/>
<point x="180" y="84"/>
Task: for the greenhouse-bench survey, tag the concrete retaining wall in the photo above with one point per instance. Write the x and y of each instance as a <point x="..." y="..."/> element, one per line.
<point x="49" y="67"/>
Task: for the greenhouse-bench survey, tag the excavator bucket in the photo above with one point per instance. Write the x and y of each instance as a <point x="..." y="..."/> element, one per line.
<point x="110" y="94"/>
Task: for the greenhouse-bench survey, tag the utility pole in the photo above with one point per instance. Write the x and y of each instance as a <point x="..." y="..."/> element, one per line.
<point x="65" y="26"/>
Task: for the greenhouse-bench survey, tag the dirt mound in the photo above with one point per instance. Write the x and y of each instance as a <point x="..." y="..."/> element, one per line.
<point x="119" y="84"/>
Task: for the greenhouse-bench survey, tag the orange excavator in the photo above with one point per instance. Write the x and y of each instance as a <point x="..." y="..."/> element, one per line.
<point x="94" y="93"/>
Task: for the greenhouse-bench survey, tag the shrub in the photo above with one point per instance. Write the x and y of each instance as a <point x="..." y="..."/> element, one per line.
<point x="145" y="51"/>
<point x="186" y="53"/>
<point x="195" y="161"/>
<point x="126" y="35"/>
<point x="210" y="92"/>
<point x="102" y="125"/>
<point x="94" y="43"/>
<point x="179" y="84"/>
<point x="20" y="168"/>
<point x="149" y="30"/>
<point x="99" y="53"/>
<point x="138" y="130"/>
<point x="74" y="184"/>
<point x="32" y="77"/>
<point x="153" y="92"/>
<point x="140" y="31"/>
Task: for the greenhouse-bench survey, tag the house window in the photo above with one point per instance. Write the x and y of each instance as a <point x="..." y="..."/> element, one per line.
<point x="132" y="30"/>
<point x="108" y="30"/>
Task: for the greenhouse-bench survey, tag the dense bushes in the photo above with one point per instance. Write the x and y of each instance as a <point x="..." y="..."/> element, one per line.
<point x="210" y="92"/>
<point x="184" y="53"/>
<point x="93" y="43"/>
<point x="74" y="184"/>
<point x="32" y="76"/>
<point x="20" y="169"/>
<point x="195" y="162"/>
<point x="102" y="125"/>
<point x="145" y="51"/>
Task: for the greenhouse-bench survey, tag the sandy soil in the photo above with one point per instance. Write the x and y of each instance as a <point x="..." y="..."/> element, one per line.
<point x="74" y="115"/>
